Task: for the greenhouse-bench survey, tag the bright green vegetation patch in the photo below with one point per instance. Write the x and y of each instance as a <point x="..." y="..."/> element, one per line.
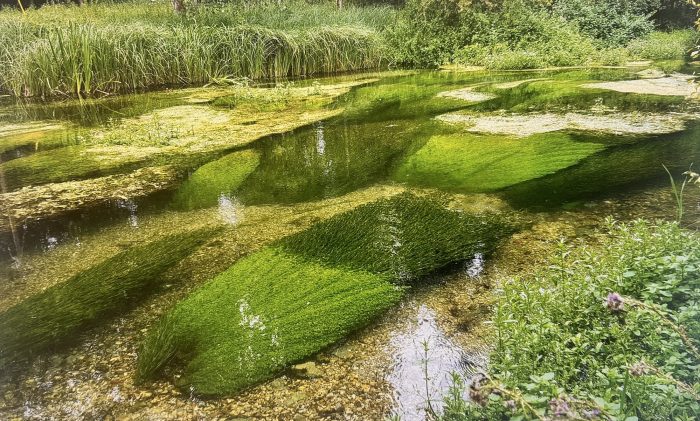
<point x="405" y="238"/>
<point x="64" y="164"/>
<point x="472" y="163"/>
<point x="223" y="176"/>
<point x="607" y="332"/>
<point x="309" y="290"/>
<point x="58" y="315"/>
<point x="267" y="311"/>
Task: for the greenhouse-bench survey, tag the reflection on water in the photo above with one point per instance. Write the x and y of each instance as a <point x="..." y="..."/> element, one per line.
<point x="424" y="361"/>
<point x="230" y="209"/>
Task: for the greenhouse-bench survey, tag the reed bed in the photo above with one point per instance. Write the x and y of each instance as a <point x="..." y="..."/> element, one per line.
<point x="57" y="315"/>
<point x="53" y="52"/>
<point x="308" y="291"/>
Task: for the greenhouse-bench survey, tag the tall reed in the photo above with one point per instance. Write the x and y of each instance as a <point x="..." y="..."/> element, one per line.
<point x="47" y="53"/>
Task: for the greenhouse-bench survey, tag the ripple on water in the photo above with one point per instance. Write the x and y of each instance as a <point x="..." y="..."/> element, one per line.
<point x="424" y="345"/>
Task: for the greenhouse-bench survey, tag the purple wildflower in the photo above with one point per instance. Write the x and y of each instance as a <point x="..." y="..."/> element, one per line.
<point x="510" y="404"/>
<point x="478" y="393"/>
<point x="638" y="369"/>
<point x="591" y="414"/>
<point x="614" y="302"/>
<point x="559" y="407"/>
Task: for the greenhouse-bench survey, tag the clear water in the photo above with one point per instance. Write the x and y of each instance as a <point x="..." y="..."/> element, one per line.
<point x="382" y="125"/>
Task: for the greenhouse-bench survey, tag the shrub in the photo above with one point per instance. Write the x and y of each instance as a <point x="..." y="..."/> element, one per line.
<point x="664" y="45"/>
<point x="614" y="22"/>
<point x="426" y="33"/>
<point x="607" y="331"/>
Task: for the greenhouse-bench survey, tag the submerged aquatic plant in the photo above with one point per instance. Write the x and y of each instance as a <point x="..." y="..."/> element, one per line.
<point x="58" y="314"/>
<point x="221" y="177"/>
<point x="307" y="291"/>
<point x="475" y="163"/>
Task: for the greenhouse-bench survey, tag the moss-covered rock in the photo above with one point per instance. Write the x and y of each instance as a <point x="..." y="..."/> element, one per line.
<point x="58" y="314"/>
<point x="309" y="290"/>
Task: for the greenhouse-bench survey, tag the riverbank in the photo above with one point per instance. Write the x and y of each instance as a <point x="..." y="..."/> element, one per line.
<point x="101" y="49"/>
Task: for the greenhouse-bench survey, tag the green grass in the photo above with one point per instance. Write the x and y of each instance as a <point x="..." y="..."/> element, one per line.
<point x="309" y="290"/>
<point x="63" y="50"/>
<point x="223" y="176"/>
<point x="558" y="337"/>
<point x="474" y="163"/>
<point x="58" y="315"/>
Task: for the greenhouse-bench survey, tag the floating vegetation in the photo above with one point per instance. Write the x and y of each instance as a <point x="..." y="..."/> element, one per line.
<point x="221" y="177"/>
<point x="523" y="125"/>
<point x="57" y="315"/>
<point x="576" y="91"/>
<point x="677" y="85"/>
<point x="473" y="163"/>
<point x="309" y="290"/>
<point x="65" y="164"/>
<point x="57" y="198"/>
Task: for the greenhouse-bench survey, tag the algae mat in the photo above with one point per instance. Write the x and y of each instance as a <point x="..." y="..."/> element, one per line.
<point x="310" y="290"/>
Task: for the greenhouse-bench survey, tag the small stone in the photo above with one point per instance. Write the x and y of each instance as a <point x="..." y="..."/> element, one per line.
<point x="278" y="383"/>
<point x="309" y="370"/>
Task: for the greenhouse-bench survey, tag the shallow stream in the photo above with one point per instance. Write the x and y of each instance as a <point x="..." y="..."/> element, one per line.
<point x="81" y="182"/>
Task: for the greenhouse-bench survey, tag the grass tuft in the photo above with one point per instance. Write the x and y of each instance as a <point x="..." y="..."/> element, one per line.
<point x="54" y="52"/>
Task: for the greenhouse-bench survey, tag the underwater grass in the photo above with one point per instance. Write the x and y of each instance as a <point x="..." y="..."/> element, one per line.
<point x="262" y="314"/>
<point x="57" y="315"/>
<point x="405" y="238"/>
<point x="307" y="291"/>
<point x="63" y="164"/>
<point x="611" y="170"/>
<point x="221" y="177"/>
<point x="475" y="163"/>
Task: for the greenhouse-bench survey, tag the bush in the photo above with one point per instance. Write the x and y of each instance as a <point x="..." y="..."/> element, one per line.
<point x="520" y="37"/>
<point x="427" y="33"/>
<point x="674" y="45"/>
<point x="607" y="330"/>
<point x="614" y="22"/>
